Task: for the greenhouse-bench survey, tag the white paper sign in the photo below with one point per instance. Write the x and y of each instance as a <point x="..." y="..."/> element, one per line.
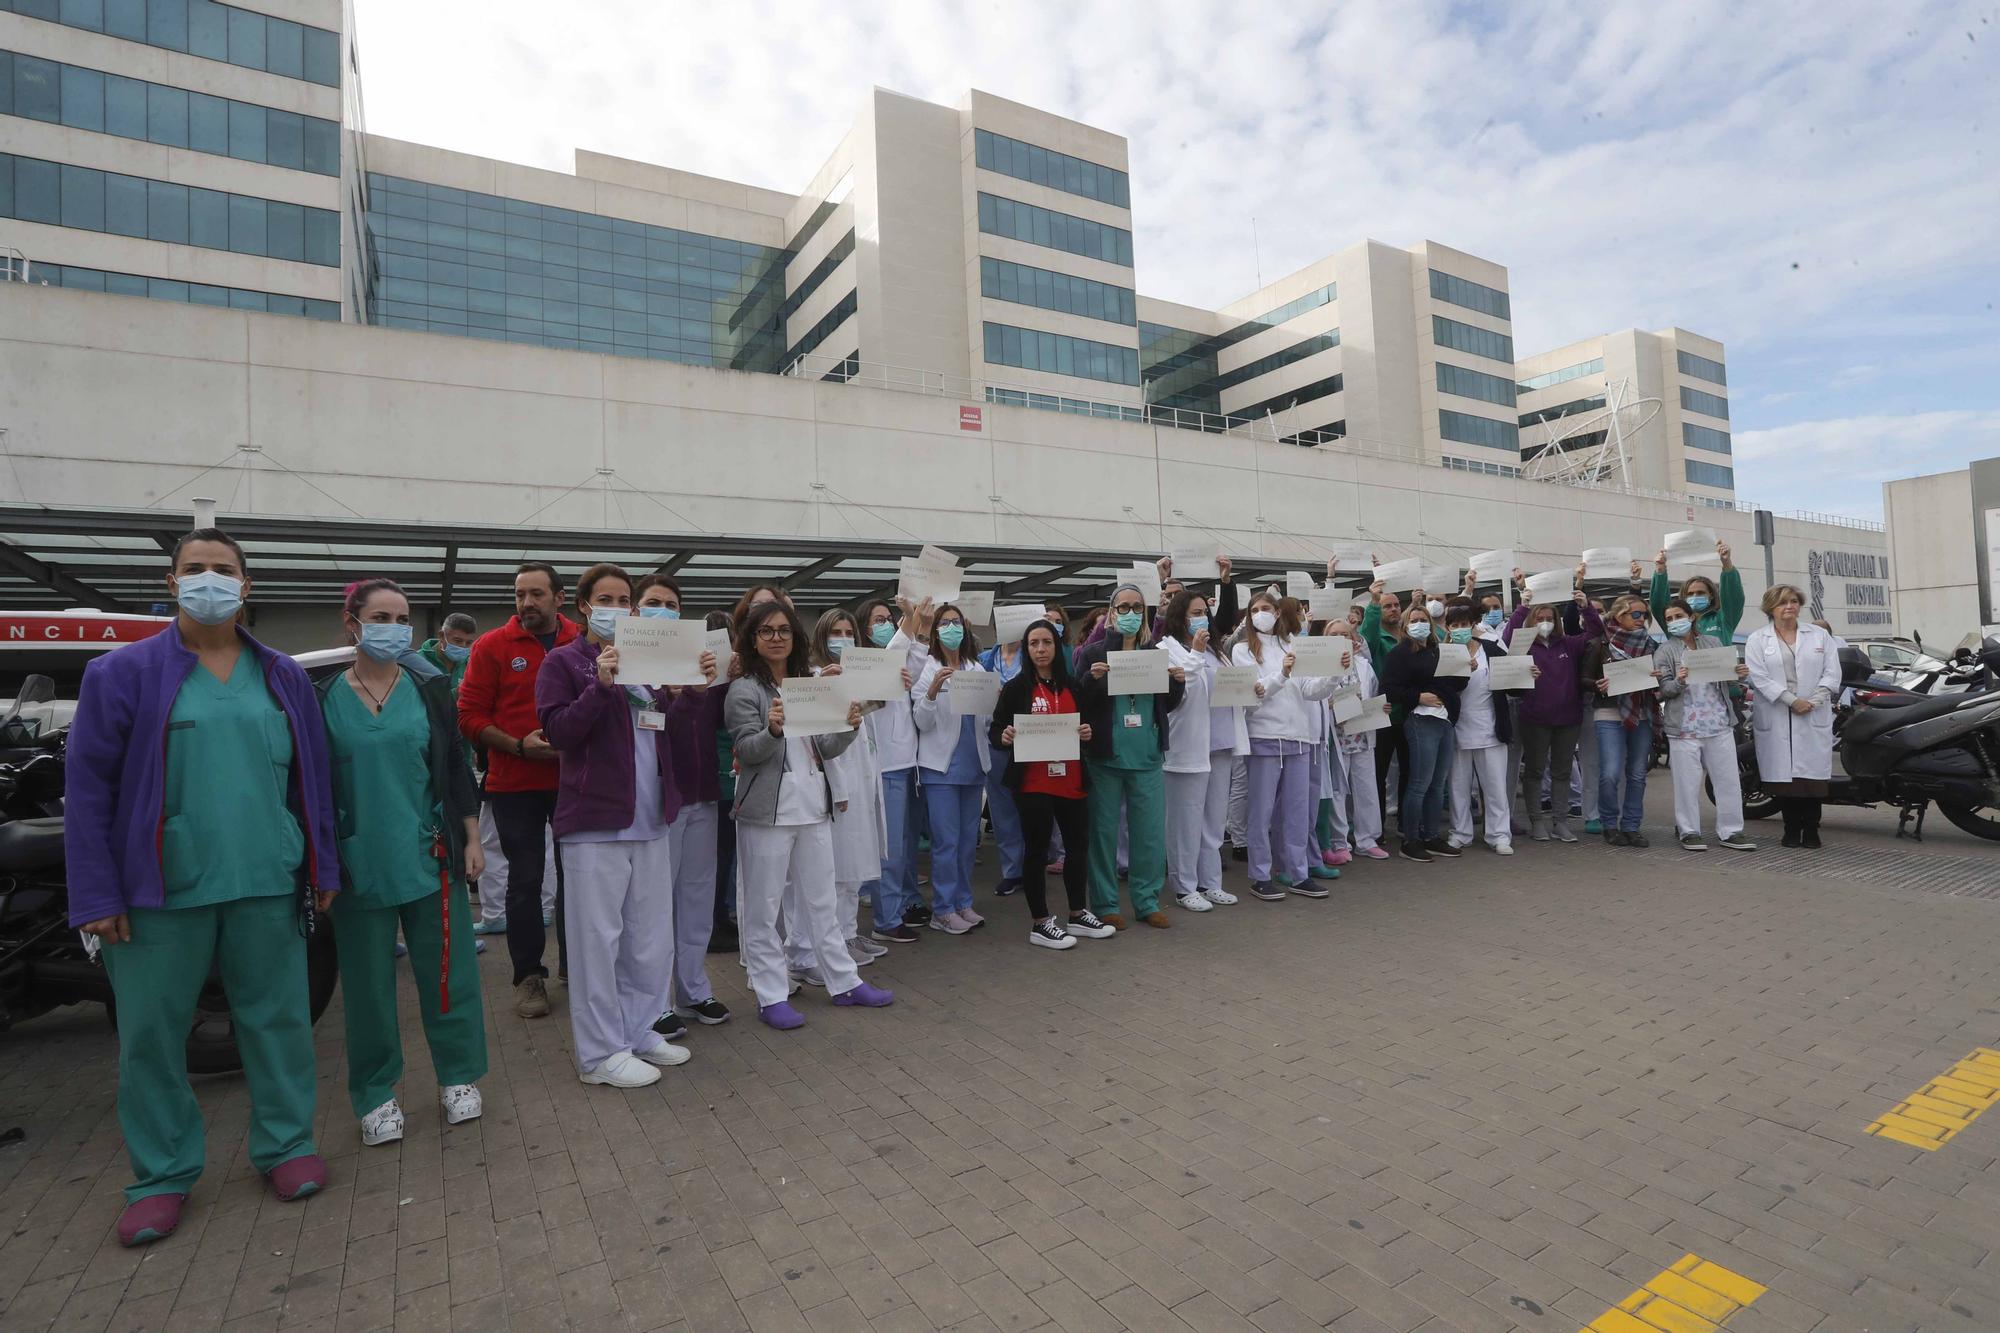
<point x="976" y="607"/>
<point x="1046" y="738"/>
<point x="661" y="652"/>
<point x="1399" y="575"/>
<point x="1710" y="666"/>
<point x="874" y="675"/>
<point x="1353" y="557"/>
<point x="1196" y="561"/>
<point x="937" y="555"/>
<point x="1629" y="676"/>
<point x="1551" y="587"/>
<point x="1137" y="671"/>
<point x="1146" y="578"/>
<point x="1346" y="707"/>
<point x="815" y="706"/>
<point x="1608" y="562"/>
<point x="1328" y="603"/>
<point x="1454" y="659"/>
<point x="1374" y="716"/>
<point x="1299" y="586"/>
<point x="1513" y="672"/>
<point x="1234" y="687"/>
<point x="1442" y="580"/>
<point x="1322" y="655"/>
<point x="917" y="580"/>
<point x="1693" y="548"/>
<point x="1011" y="622"/>
<point x="717" y="641"/>
<point x="1493" y="566"/>
<point x="973" y="693"/>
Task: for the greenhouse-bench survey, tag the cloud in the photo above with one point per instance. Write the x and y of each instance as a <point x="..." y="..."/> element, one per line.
<point x="1838" y="466"/>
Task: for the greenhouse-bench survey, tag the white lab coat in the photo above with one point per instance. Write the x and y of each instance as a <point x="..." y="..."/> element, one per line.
<point x="1789" y="746"/>
<point x="937" y="728"/>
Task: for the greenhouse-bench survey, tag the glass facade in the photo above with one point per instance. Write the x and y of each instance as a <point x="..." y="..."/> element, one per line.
<point x="1594" y="366"/>
<point x="85" y="99"/>
<point x="1704" y="437"/>
<point x="1489" y="469"/>
<point x="1464" y="338"/>
<point x="456" y="261"/>
<point x="1701" y="367"/>
<point x="1057" y="231"/>
<point x="1002" y="281"/>
<point x="1298" y="397"/>
<point x="203" y="28"/>
<point x="1594" y="403"/>
<point x="1710" y="474"/>
<point x="1475" y="384"/>
<point x="1180" y="367"/>
<point x="105" y="201"/>
<point x="823" y="270"/>
<point x="822" y="329"/>
<point x="1058" y="171"/>
<point x="1058" y="354"/>
<point x="1708" y="404"/>
<point x="192" y="293"/>
<point x="1468" y="429"/>
<point x="1589" y="439"/>
<point x="1264" y="365"/>
<point x="1463" y="291"/>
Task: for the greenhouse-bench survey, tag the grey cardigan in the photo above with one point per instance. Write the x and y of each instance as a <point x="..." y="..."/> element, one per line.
<point x="1673" y="694"/>
<point x="760" y="756"/>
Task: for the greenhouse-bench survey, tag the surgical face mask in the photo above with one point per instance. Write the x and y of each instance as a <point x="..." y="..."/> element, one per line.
<point x="1463" y="634"/>
<point x="660" y="612"/>
<point x="881" y="632"/>
<point x="384" y="643"/>
<point x="1196" y="624"/>
<point x="1494" y="619"/>
<point x="1265" y="621"/>
<point x="1129" y="621"/>
<point x="1697" y="604"/>
<point x="1419" y="630"/>
<point x="839" y="644"/>
<point x="604" y="621"/>
<point x="457" y="652"/>
<point x="210" y="598"/>
<point x="951" y="635"/>
<point x="1677" y="627"/>
<point x="1435" y="607"/>
<point x="1544" y="629"/>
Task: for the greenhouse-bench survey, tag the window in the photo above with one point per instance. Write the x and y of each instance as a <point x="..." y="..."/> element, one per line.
<point x="106" y="201"/>
<point x="1058" y="171"/>
<point x="1077" y="407"/>
<point x="1474" y="384"/>
<point x="842" y="311"/>
<point x="1463" y="291"/>
<point x="1701" y="367"/>
<point x="1464" y="338"/>
<point x="87" y="99"/>
<point x="1049" y="290"/>
<point x="1694" y="400"/>
<point x="1468" y="429"/>
<point x="1574" y="407"/>
<point x="1264" y="365"/>
<point x="1298" y="397"/>
<point x="1489" y="469"/>
<point x="1057" y="231"/>
<point x="1594" y="366"/>
<point x="204" y="28"/>
<point x="1704" y="437"/>
<point x="1059" y="354"/>
<point x="823" y="270"/>
<point x="193" y="293"/>
<point x="1710" y="474"/>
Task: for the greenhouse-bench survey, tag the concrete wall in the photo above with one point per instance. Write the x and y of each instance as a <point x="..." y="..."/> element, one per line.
<point x="1933" y="555"/>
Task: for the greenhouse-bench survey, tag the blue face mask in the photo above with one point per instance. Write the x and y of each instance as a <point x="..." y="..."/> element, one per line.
<point x="880" y="633"/>
<point x="660" y="612"/>
<point x="210" y="598"/>
<point x="1697" y="604"/>
<point x="456" y="652"/>
<point x="839" y="645"/>
<point x="1419" y="630"/>
<point x="1463" y="634"/>
<point x="1196" y="624"/>
<point x="1128" y="622"/>
<point x="385" y="643"/>
<point x="604" y="621"/>
<point x="951" y="635"/>
<point x="1677" y="627"/>
<point x="1493" y="619"/>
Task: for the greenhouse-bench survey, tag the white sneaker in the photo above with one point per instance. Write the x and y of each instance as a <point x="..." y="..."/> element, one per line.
<point x="1050" y="935"/>
<point x="461" y="1102"/>
<point x="870" y="947"/>
<point x="666" y="1055"/>
<point x="1194" y="902"/>
<point x="1220" y="897"/>
<point x="384" y="1124"/>
<point x="950" y="923"/>
<point x="623" y="1070"/>
<point x="1503" y="848"/>
<point x="861" y="956"/>
<point x="812" y="976"/>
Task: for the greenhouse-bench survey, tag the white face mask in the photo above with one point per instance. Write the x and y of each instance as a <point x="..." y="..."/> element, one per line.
<point x="1544" y="628"/>
<point x="1265" y="621"/>
<point x="1435" y="607"/>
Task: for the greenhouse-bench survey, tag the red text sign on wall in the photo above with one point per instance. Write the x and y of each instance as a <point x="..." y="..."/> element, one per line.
<point x="971" y="418"/>
<point x="93" y="631"/>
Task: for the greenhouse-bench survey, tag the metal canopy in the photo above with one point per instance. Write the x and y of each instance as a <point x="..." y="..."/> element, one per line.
<point x="115" y="559"/>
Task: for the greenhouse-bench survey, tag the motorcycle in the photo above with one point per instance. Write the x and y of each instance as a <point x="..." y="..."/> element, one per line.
<point x="46" y="962"/>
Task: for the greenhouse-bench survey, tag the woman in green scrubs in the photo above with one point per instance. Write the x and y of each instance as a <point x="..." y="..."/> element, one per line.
<point x="407" y="817"/>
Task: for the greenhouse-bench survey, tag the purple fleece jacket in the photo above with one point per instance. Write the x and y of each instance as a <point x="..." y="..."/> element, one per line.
<point x="1555" y="701"/>
<point x="591" y="726"/>
<point x="114" y="786"/>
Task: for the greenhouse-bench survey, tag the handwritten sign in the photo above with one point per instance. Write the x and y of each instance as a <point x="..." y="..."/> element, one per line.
<point x="1138" y="671"/>
<point x="1234" y="687"/>
<point x="1046" y="738"/>
<point x="874" y="675"/>
<point x="661" y="652"/>
<point x="1322" y="655"/>
<point x="973" y="693"/>
<point x="815" y="706"/>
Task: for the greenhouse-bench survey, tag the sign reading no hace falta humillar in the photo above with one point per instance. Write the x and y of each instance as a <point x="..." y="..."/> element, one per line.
<point x="1849" y="586"/>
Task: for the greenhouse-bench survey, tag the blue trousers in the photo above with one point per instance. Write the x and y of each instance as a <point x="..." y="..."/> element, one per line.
<point x="1006" y="819"/>
<point x="954" y="814"/>
<point x="1623" y="756"/>
<point x="897" y="892"/>
<point x="1432" y="744"/>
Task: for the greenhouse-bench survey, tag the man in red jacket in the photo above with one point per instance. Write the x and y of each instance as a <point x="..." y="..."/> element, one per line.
<point x="496" y="712"/>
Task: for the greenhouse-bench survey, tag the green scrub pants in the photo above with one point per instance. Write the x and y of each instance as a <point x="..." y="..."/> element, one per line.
<point x="156" y="976"/>
<point x="1142" y="794"/>
<point x="367" y="939"/>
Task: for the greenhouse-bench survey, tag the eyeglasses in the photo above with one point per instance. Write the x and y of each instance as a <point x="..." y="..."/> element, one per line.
<point x="774" y="633"/>
<point x="1128" y="608"/>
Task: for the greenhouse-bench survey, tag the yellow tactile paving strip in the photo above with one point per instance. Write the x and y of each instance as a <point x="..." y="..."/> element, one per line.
<point x="1936" y="1113"/>
<point x="1694" y="1296"/>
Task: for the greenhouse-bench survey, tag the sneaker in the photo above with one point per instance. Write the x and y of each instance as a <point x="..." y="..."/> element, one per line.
<point x="461" y="1102"/>
<point x="497" y="926"/>
<point x="1339" y="857"/>
<point x="919" y="915"/>
<point x="897" y="934"/>
<point x="1239" y="852"/>
<point x="384" y="1124"/>
<point x="1503" y="849"/>
<point x="1322" y="871"/>
<point x="1157" y="920"/>
<point x="1055" y="867"/>
<point x="708" y="1012"/>
<point x="1265" y="890"/>
<point x="479" y="946"/>
<point x="401" y="950"/>
<point x="299" y="1177"/>
<point x="1007" y="888"/>
<point x="1593" y="826"/>
<point x="1692" y="842"/>
<point x="149" y="1219"/>
<point x="971" y="919"/>
<point x="1220" y="897"/>
<point x="1414" y="850"/>
<point x="531" y="997"/>
<point x="812" y="976"/>
<point x="1538" y="829"/>
<point x="1615" y="838"/>
<point x="859" y="956"/>
<point x="666" y="1055"/>
<point x="1375" y="853"/>
<point x="1636" y="839"/>
<point x="869" y="947"/>
<point x="670" y="1026"/>
<point x="1561" y="831"/>
<point x="1086" y="924"/>
<point x="1442" y="847"/>
<point x="1736" y="842"/>
<point x="781" y="1016"/>
<point x="1308" y="889"/>
<point x="949" y="923"/>
<point x="866" y="996"/>
<point x="1194" y="902"/>
<point x="622" y="1070"/>
<point x="1050" y="935"/>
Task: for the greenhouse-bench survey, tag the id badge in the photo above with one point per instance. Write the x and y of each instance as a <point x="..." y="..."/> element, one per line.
<point x="1131" y="720"/>
<point x="652" y="719"/>
<point x="1057" y="768"/>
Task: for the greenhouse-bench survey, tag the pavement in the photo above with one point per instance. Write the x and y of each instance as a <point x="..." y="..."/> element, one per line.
<point x="1556" y="1091"/>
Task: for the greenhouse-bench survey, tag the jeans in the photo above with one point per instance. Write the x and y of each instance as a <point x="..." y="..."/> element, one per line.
<point x="523" y="820"/>
<point x="900" y="808"/>
<point x="1006" y="818"/>
<point x="1432" y="743"/>
<point x="1623" y="755"/>
<point x="954" y="815"/>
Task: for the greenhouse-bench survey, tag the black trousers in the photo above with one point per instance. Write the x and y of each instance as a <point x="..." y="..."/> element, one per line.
<point x="1041" y="812"/>
<point x="1393" y="745"/>
<point x="1801" y="812"/>
<point x="521" y="818"/>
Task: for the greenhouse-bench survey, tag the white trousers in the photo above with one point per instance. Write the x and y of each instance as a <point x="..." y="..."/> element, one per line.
<point x="694" y="899"/>
<point x="1489" y="765"/>
<point x="1690" y="757"/>
<point x="493" y="880"/>
<point x="1364" y="806"/>
<point x="770" y="856"/>
<point x="1214" y="814"/>
<point x="1187" y="827"/>
<point x="618" y="913"/>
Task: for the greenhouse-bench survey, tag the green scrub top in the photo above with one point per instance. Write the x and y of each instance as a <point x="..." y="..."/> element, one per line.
<point x="384" y="808"/>
<point x="229" y="832"/>
<point x="1134" y="747"/>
